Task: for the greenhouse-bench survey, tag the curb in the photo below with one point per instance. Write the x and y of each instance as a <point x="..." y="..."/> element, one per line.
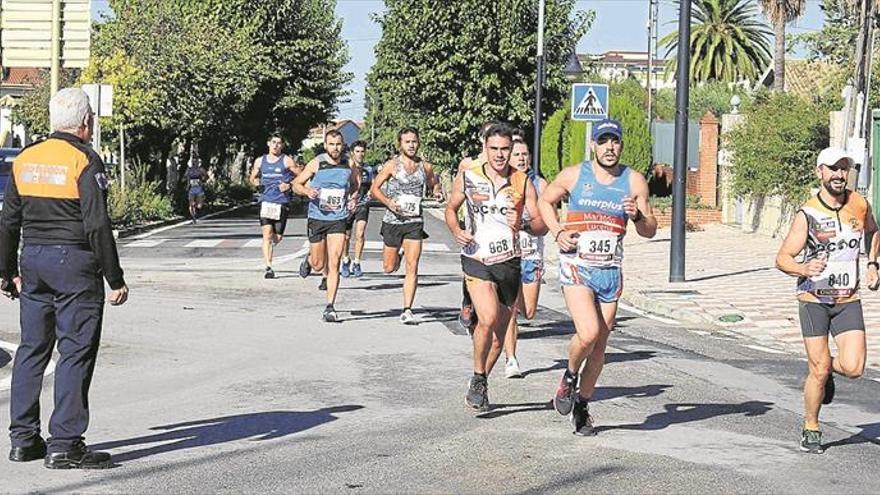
<point x="641" y="301"/>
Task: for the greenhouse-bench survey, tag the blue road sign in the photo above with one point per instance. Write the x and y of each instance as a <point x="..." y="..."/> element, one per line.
<point x="589" y="102"/>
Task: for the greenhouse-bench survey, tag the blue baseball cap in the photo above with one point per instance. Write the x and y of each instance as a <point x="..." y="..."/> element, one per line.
<point x="607" y="127"/>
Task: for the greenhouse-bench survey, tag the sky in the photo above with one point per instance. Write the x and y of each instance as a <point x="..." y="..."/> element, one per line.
<point x="619" y="25"/>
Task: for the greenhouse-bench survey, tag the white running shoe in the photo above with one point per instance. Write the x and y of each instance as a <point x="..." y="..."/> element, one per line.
<point x="407" y="317"/>
<point x="511" y="370"/>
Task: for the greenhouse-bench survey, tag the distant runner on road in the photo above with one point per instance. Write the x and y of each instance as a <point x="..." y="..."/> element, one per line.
<point x="274" y="173"/>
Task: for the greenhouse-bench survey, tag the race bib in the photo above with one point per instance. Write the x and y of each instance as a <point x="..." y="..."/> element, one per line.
<point x="195" y="183"/>
<point x="839" y="279"/>
<point x="598" y="248"/>
<point x="331" y="199"/>
<point x="272" y="211"/>
<point x="527" y="244"/>
<point x="410" y="205"/>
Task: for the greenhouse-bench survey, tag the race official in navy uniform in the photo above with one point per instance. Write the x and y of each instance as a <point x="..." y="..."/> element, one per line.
<point x="56" y="204"/>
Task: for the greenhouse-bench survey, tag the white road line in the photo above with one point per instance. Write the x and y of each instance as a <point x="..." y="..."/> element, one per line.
<point x="764" y="349"/>
<point x="876" y="379"/>
<point x="627" y="307"/>
<point x="181" y="223"/>
<point x="145" y="243"/>
<point x="203" y="243"/>
<point x="7" y="382"/>
<point x="427" y="247"/>
<point x="253" y="243"/>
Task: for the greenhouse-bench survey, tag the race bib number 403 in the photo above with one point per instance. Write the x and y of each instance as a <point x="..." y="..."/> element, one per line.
<point x="272" y="211"/>
<point x="331" y="199"/>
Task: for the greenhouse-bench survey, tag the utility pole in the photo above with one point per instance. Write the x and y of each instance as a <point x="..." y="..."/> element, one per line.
<point x="539" y="85"/>
<point x="652" y="40"/>
<point x="682" y="90"/>
<point x="55" y="71"/>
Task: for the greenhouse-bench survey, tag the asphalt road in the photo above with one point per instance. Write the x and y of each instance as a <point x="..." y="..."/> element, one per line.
<point x="212" y="379"/>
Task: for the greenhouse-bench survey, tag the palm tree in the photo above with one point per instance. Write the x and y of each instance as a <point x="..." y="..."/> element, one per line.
<point x="728" y="41"/>
<point x="781" y="12"/>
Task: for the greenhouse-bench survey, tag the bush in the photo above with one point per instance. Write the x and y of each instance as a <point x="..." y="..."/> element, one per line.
<point x="140" y="202"/>
<point x="773" y="152"/>
<point x="713" y="97"/>
<point x="231" y="192"/>
<point x="626" y="106"/>
<point x="551" y="144"/>
<point x="663" y="203"/>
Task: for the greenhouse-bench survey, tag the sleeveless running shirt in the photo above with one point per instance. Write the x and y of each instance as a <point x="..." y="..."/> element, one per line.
<point x="486" y="218"/>
<point x="596" y="212"/>
<point x="272" y="174"/>
<point x="368" y="173"/>
<point x="332" y="182"/>
<point x="836" y="234"/>
<point x="531" y="246"/>
<point x="406" y="190"/>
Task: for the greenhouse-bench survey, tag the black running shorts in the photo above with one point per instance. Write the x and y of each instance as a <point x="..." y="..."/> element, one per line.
<point x="361" y="214"/>
<point x="818" y="319"/>
<point x="505" y="275"/>
<point x="393" y="234"/>
<point x="278" y="225"/>
<point x="319" y="229"/>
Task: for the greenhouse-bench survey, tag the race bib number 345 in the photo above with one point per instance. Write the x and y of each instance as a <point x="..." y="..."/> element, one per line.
<point x="599" y="248"/>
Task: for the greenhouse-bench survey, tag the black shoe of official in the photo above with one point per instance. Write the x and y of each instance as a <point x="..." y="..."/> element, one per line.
<point x="78" y="457"/>
<point x="323" y="284"/>
<point x="305" y="269"/>
<point x="829" y="390"/>
<point x="32" y="452"/>
<point x="581" y="419"/>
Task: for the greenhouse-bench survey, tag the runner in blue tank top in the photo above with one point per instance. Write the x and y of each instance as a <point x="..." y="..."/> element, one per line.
<point x="196" y="177"/>
<point x="357" y="219"/>
<point x="273" y="173"/>
<point x="603" y="196"/>
<point x="332" y="192"/>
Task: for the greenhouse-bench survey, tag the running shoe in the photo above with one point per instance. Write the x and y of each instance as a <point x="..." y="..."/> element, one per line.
<point x="323" y="284"/>
<point x="829" y="390"/>
<point x="270" y="273"/>
<point x="511" y="370"/>
<point x="305" y="268"/>
<point x="811" y="441"/>
<point x="563" y="401"/>
<point x="407" y="317"/>
<point x="356" y="271"/>
<point x="581" y="419"/>
<point x="478" y="393"/>
<point x="330" y="314"/>
<point x="345" y="269"/>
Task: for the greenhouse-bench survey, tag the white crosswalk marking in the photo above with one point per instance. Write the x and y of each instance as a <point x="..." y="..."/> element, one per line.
<point x="253" y="243"/>
<point x="204" y="243"/>
<point x="146" y="243"/>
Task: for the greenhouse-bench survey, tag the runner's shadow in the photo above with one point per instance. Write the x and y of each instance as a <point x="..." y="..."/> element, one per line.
<point x="624" y="357"/>
<point x="5" y="358"/>
<point x="548" y="329"/>
<point x="689" y="413"/>
<point x="440" y="314"/>
<point x="499" y="410"/>
<point x="366" y="315"/>
<point x="870" y="434"/>
<point x="390" y="286"/>
<point x="731" y="274"/>
<point x="214" y="431"/>
<point x="558" y="364"/>
<point x="608" y="393"/>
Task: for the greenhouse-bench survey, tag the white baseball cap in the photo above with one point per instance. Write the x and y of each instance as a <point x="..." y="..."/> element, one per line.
<point x="832" y="155"/>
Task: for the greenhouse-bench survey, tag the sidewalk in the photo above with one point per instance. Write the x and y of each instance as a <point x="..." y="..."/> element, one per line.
<point x="731" y="276"/>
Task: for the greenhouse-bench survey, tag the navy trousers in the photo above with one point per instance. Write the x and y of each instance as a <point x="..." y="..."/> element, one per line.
<point x="62" y="300"/>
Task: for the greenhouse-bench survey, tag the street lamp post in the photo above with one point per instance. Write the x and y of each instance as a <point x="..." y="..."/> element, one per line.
<point x="677" y="248"/>
<point x="539" y="83"/>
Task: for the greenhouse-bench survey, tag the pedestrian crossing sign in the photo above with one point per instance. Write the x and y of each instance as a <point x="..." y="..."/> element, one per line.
<point x="589" y="101"/>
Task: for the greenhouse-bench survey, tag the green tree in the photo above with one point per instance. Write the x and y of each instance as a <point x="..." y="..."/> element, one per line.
<point x="33" y="110"/>
<point x="780" y="13"/>
<point x="708" y="97"/>
<point x="551" y="144"/>
<point x="445" y="69"/>
<point x="773" y="152"/>
<point x="728" y="43"/>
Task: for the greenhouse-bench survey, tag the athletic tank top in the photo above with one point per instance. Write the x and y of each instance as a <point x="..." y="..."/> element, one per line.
<point x="406" y="190"/>
<point x="194" y="178"/>
<point x="368" y="173"/>
<point x="487" y="206"/>
<point x="835" y="234"/>
<point x="332" y="182"/>
<point x="272" y="174"/>
<point x="595" y="211"/>
<point x="531" y="246"/>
